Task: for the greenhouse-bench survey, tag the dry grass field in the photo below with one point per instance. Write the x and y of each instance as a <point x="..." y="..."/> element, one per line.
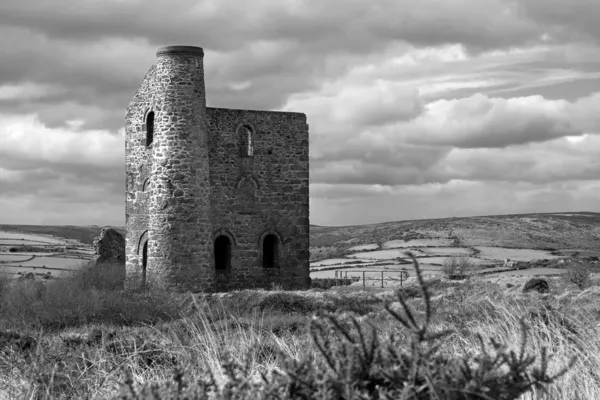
<point x="82" y="337"/>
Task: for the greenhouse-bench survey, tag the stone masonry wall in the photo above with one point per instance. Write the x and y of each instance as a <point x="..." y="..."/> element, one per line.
<point x="265" y="192"/>
<point x="180" y="247"/>
<point x="138" y="164"/>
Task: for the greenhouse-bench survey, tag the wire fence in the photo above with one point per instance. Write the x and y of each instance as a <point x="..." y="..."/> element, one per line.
<point x="343" y="276"/>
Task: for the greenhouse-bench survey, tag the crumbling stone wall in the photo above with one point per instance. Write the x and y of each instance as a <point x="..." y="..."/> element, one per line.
<point x="109" y="246"/>
<point x="197" y="182"/>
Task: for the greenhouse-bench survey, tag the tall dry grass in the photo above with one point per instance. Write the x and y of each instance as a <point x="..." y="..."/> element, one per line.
<point x="89" y="337"/>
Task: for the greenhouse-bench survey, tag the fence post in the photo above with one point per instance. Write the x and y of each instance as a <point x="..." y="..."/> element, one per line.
<point x="364" y="282"/>
<point x="381" y="278"/>
<point x="401" y="278"/>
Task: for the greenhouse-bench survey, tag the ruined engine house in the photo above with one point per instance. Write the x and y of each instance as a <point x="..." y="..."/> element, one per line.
<point x="217" y="198"/>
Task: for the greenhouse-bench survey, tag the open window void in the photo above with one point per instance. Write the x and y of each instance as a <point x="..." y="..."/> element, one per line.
<point x="222" y="253"/>
<point x="149" y="128"/>
<point x="246" y="146"/>
<point x="270" y="252"/>
<point x="144" y="261"/>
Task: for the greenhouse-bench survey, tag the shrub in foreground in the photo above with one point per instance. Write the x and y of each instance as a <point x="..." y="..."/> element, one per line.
<point x="353" y="362"/>
<point x="539" y="285"/>
<point x="579" y="274"/>
<point x="457" y="266"/>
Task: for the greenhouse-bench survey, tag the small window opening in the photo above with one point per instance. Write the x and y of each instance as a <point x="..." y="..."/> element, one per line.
<point x="270" y="252"/>
<point x="222" y="253"/>
<point x="144" y="261"/>
<point x="149" y="128"/>
<point x="248" y="133"/>
<point x="246" y="148"/>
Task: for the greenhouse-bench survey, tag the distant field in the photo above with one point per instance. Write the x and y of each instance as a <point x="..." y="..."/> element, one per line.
<point x="487" y="240"/>
<point x="575" y="231"/>
<point x="83" y="234"/>
<point x="15" y="260"/>
<point x="517" y="237"/>
<point x="24" y="237"/>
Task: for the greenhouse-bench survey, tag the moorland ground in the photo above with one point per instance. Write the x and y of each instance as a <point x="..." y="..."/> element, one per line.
<point x="81" y="336"/>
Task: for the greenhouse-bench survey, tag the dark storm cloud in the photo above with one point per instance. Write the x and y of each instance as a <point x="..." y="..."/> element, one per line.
<point x="94" y="82"/>
<point x="353" y="26"/>
<point x="98" y="51"/>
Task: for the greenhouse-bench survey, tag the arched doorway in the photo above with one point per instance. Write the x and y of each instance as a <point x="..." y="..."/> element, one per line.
<point x="270" y="251"/>
<point x="222" y="253"/>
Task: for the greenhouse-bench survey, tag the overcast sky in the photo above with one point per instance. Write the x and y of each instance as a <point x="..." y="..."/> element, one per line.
<point x="417" y="108"/>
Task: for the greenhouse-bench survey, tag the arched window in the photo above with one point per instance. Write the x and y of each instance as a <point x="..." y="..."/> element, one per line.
<point x="270" y="251"/>
<point x="143" y="249"/>
<point x="144" y="261"/>
<point x="149" y="128"/>
<point x="222" y="253"/>
<point x="246" y="145"/>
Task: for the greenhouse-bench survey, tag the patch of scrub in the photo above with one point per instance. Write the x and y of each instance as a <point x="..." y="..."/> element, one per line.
<point x="394" y="244"/>
<point x="31" y="237"/>
<point x="322" y="252"/>
<point x="385" y="254"/>
<point x="451" y="251"/>
<point x="582" y="253"/>
<point x="54" y="262"/>
<point x="501" y="253"/>
<point x="14" y="271"/>
<point x="362" y="247"/>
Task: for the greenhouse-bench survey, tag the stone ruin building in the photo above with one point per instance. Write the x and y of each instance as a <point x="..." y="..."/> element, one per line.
<point x="217" y="198"/>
